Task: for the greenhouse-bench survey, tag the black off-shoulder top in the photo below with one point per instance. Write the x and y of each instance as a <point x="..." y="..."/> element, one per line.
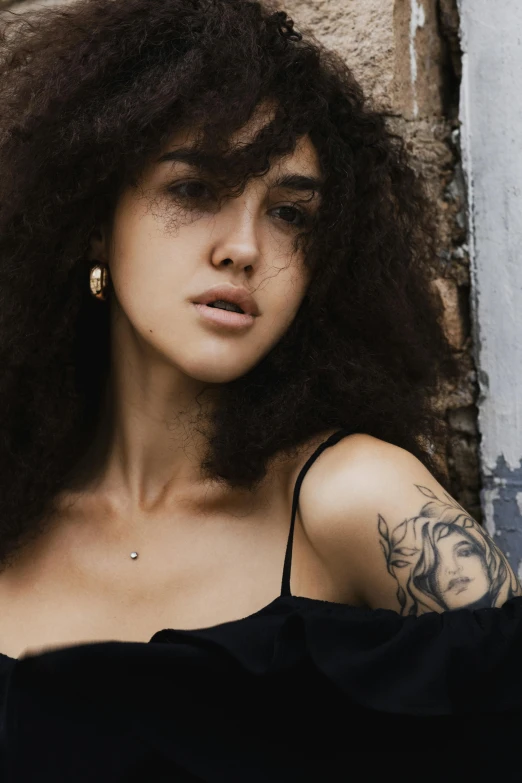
<point x="302" y="690"/>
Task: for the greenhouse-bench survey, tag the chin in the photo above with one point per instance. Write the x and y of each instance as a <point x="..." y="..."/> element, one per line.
<point x="483" y="602"/>
<point x="212" y="366"/>
<point x="215" y="378"/>
<point x="215" y="372"/>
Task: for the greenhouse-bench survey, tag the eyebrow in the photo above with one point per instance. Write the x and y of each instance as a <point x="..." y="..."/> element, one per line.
<point x="297" y="182"/>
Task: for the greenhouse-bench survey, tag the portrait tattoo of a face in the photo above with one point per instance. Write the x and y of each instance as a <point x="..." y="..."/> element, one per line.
<point x="442" y="559"/>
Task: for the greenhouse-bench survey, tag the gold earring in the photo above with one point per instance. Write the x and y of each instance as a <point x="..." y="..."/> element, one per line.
<point x="99" y="280"/>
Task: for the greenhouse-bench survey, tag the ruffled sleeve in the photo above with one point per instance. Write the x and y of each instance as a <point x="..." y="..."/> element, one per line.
<point x="436" y="664"/>
<point x="290" y="693"/>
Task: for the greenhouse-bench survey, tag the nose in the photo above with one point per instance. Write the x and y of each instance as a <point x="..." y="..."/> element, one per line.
<point x="453" y="565"/>
<point x="237" y="244"/>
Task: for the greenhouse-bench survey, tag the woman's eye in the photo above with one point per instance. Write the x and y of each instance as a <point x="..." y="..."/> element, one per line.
<point x="464" y="551"/>
<point x="193" y="190"/>
<point x="197" y="191"/>
<point x="293" y="216"/>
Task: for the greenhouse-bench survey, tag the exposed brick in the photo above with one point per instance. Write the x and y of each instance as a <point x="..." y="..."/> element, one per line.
<point x="453" y="319"/>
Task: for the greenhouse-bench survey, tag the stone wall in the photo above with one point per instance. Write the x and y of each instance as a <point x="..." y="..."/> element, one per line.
<point x="406" y="54"/>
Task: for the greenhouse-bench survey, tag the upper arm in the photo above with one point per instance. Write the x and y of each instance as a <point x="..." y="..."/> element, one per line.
<point x="385" y="526"/>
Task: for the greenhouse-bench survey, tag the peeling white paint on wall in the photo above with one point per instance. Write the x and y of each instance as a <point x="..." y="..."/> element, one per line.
<point x="519" y="503"/>
<point x="417" y="20"/>
<point x="491" y="117"/>
<point x="488" y="499"/>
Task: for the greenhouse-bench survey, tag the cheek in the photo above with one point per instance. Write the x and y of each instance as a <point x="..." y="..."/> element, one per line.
<point x="150" y="272"/>
<point x="282" y="293"/>
<point x="480" y="569"/>
<point x="155" y="274"/>
<point x="472" y="563"/>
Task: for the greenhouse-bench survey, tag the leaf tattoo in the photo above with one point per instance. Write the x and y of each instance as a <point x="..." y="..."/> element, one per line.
<point x="442" y="560"/>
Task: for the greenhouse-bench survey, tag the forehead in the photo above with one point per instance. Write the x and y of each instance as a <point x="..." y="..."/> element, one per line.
<point x="304" y="157"/>
<point x="454" y="538"/>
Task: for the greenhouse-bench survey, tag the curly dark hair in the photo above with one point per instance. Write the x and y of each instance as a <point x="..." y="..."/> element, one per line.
<point x="88" y="93"/>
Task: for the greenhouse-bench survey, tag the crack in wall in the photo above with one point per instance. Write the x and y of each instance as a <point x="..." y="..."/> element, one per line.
<point x="454" y="267"/>
<point x="417" y="21"/>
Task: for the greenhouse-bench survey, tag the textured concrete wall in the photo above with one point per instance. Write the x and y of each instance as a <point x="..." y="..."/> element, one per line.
<point x="406" y="54"/>
<point x="492" y="125"/>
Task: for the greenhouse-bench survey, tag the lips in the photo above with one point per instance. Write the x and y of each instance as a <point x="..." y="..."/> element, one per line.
<point x="460" y="582"/>
<point x="237" y="295"/>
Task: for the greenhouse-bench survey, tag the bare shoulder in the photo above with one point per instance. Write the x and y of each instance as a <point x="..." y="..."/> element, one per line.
<point x="385" y="525"/>
<point x="356" y="473"/>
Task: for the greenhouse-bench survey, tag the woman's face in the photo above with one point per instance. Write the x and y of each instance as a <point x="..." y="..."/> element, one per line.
<point x="173" y="239"/>
<point x="461" y="575"/>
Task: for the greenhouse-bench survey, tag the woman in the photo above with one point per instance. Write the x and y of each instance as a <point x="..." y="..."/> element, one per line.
<point x="214" y="272"/>
<point x="442" y="560"/>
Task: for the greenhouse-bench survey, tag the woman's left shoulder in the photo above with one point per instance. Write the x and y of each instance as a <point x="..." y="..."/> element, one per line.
<point x="383" y="523"/>
<point x="355" y="482"/>
<point x="360" y="473"/>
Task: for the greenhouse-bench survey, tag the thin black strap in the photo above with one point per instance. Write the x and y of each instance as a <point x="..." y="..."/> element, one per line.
<point x="285" y="584"/>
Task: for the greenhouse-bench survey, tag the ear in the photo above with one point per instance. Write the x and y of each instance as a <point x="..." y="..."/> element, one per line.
<point x="99" y="245"/>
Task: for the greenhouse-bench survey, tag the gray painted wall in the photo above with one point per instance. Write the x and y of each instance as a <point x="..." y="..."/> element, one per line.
<point x="491" y="115"/>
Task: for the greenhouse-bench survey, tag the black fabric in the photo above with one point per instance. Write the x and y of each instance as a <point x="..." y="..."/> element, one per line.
<point x="301" y="690"/>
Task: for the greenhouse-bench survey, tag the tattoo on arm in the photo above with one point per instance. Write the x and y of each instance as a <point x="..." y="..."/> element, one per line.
<point x="442" y="559"/>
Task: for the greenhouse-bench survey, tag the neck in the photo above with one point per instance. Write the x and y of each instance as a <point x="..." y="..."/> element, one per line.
<point x="148" y="444"/>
